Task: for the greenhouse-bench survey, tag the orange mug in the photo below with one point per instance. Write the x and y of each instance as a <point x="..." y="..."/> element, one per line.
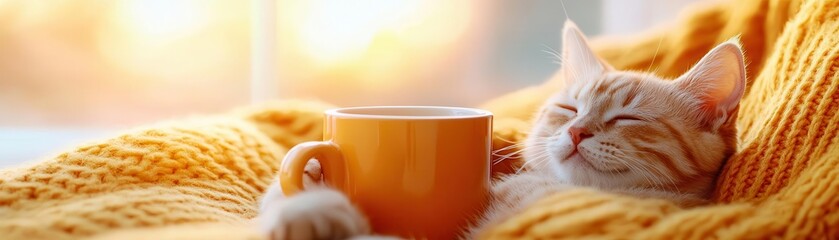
<point x="416" y="172"/>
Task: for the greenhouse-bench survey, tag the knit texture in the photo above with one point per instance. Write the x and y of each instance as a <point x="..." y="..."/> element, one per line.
<point x="201" y="178"/>
<point x="189" y="171"/>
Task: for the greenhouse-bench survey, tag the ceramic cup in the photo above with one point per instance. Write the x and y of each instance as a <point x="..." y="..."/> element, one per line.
<point x="415" y="172"/>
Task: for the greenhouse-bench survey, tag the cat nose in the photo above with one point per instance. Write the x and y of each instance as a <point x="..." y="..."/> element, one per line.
<point x="578" y="134"/>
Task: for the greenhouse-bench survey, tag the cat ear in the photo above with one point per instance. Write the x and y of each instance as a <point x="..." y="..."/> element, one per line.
<point x="579" y="61"/>
<point x="718" y="81"/>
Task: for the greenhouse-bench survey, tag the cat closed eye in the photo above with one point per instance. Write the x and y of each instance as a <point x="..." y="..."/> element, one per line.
<point x="567" y="107"/>
<point x="625" y="117"/>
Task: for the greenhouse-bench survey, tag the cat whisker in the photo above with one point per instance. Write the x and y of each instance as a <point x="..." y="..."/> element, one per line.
<point x="504" y="158"/>
<point x="507" y="148"/>
<point x="543" y="163"/>
<point x="643" y="174"/>
<point x="662" y="174"/>
<point x="655" y="54"/>
<point x="668" y="177"/>
<point x="561" y="60"/>
<point x="656" y="174"/>
<point x="521" y="168"/>
<point x="515" y="149"/>
<point x="510" y="155"/>
<point x="648" y="169"/>
<point x="652" y="180"/>
<point x="507" y="140"/>
<point x="532" y="139"/>
<point x="553" y="53"/>
<point x="545" y="156"/>
<point x="541" y="159"/>
<point x="513" y="152"/>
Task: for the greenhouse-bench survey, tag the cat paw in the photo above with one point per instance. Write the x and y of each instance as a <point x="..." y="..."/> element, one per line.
<point x="312" y="174"/>
<point x="314" y="214"/>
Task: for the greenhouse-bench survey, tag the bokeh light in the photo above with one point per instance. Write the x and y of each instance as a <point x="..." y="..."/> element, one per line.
<point x="161" y="20"/>
<point x="126" y="62"/>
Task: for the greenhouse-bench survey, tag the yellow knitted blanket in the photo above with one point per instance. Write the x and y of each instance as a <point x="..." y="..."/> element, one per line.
<point x="201" y="178"/>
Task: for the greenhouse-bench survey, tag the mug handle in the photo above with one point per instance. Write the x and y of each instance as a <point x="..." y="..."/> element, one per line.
<point x="293" y="165"/>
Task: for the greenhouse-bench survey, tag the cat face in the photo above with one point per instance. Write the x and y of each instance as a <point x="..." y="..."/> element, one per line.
<point x="609" y="128"/>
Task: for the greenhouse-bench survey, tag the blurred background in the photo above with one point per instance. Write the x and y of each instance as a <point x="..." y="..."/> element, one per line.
<point x="72" y="70"/>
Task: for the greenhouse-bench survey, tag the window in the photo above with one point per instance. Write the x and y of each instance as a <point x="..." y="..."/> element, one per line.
<point x="72" y="70"/>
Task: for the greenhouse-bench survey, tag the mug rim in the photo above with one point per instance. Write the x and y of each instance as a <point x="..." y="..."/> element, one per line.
<point x="475" y="113"/>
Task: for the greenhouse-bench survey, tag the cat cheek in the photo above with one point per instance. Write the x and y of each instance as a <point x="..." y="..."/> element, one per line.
<point x="560" y="146"/>
<point x="556" y="119"/>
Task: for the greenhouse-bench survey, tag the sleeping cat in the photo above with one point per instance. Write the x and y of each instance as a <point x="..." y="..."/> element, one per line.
<point x="618" y="131"/>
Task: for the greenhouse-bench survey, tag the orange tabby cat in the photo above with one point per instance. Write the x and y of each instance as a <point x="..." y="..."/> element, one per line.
<point x="623" y="132"/>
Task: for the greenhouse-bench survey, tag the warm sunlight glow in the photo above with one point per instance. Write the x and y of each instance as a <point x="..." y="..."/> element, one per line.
<point x="335" y="32"/>
<point x="147" y="36"/>
<point x="322" y="46"/>
<point x="162" y="19"/>
<point x="92" y="62"/>
<point x="374" y="45"/>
